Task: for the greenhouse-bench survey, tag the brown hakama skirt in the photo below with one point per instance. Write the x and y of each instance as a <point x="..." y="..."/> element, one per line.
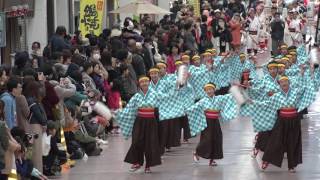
<point x="169" y="134"/>
<point x="262" y="140"/>
<point x="145" y="140"/>
<point x="285" y="137"/>
<point x="184" y="124"/>
<point x="210" y="145"/>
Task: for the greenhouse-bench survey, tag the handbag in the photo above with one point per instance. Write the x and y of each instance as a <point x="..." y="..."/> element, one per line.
<point x="46" y="144"/>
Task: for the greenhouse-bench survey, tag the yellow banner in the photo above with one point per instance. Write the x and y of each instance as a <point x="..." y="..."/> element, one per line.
<point x="91" y="16"/>
<point x="196" y="7"/>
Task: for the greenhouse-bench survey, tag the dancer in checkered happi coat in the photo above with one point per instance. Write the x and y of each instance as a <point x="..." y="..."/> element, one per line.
<point x="286" y="133"/>
<point x="140" y="119"/>
<point x="214" y="71"/>
<point x="172" y="111"/>
<point x="238" y="64"/>
<point x="204" y="117"/>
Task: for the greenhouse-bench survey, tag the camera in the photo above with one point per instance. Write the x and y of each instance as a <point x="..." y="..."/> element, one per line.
<point x="84" y="109"/>
<point x="30" y="136"/>
<point x="24" y="138"/>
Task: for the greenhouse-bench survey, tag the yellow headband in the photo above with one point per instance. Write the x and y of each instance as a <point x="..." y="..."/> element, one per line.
<point x="206" y="54"/>
<point x="285" y="59"/>
<point x="161" y="64"/>
<point x="283" y="78"/>
<point x="242" y="55"/>
<point x="209" y="85"/>
<point x="272" y="65"/>
<point x="281" y="65"/>
<point x="178" y="63"/>
<point x="144" y="78"/>
<point x="292" y="50"/>
<point x="196" y="57"/>
<point x="211" y="51"/>
<point x="154" y="70"/>
<point x="284" y="47"/>
<point x="185" y="57"/>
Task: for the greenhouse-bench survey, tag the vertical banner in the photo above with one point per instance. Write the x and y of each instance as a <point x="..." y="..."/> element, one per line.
<point x="2" y="29"/>
<point x="196" y="7"/>
<point x="91" y="16"/>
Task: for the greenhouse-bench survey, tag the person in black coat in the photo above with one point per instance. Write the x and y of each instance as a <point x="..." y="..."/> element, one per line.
<point x="58" y="41"/>
<point x="225" y="35"/>
<point x="277" y="33"/>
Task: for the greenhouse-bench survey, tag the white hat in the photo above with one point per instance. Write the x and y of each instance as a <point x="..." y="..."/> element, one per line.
<point x="115" y="33"/>
<point x="217" y="11"/>
<point x="85" y="41"/>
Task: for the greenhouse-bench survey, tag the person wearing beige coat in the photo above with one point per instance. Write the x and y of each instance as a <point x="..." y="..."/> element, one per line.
<point x="23" y="113"/>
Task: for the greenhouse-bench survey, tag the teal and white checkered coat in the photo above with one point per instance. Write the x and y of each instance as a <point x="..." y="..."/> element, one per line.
<point x="265" y="85"/>
<point x="237" y="67"/>
<point x="127" y="116"/>
<point x="264" y="113"/>
<point x="200" y="78"/>
<point x="177" y="99"/>
<point x="196" y="113"/>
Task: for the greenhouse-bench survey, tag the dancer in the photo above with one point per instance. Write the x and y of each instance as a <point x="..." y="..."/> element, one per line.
<point x="172" y="110"/>
<point x="286" y="133"/>
<point x="139" y="119"/>
<point x="204" y="117"/>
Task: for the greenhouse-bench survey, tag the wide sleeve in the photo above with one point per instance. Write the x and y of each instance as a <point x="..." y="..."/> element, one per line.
<point x="229" y="108"/>
<point x="127" y="116"/>
<point x="197" y="118"/>
<point x="264" y="113"/>
<point x="316" y="78"/>
<point x="306" y="97"/>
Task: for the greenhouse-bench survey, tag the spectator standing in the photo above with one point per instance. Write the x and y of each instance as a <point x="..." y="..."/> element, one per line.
<point x="137" y="60"/>
<point x="235" y="26"/>
<point x="148" y="53"/>
<point x="277" y="33"/>
<point x="171" y="59"/>
<point x="58" y="41"/>
<point x="189" y="39"/>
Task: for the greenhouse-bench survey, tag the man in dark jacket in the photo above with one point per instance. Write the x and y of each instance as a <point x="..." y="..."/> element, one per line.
<point x="58" y="41"/>
<point x="148" y="51"/>
<point x="137" y="60"/>
<point x="277" y="33"/>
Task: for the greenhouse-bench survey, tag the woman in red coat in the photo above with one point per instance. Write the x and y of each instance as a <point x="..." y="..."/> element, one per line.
<point x="235" y="27"/>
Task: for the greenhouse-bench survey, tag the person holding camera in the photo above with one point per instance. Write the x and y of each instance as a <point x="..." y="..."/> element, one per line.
<point x="37" y="119"/>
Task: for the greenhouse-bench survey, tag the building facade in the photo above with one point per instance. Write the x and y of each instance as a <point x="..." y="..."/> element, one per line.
<point x="26" y="21"/>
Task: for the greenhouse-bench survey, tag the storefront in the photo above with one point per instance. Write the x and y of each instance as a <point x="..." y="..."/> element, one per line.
<point x="16" y="13"/>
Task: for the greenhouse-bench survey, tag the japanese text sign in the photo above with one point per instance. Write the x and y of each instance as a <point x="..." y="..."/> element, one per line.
<point x="91" y="16"/>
